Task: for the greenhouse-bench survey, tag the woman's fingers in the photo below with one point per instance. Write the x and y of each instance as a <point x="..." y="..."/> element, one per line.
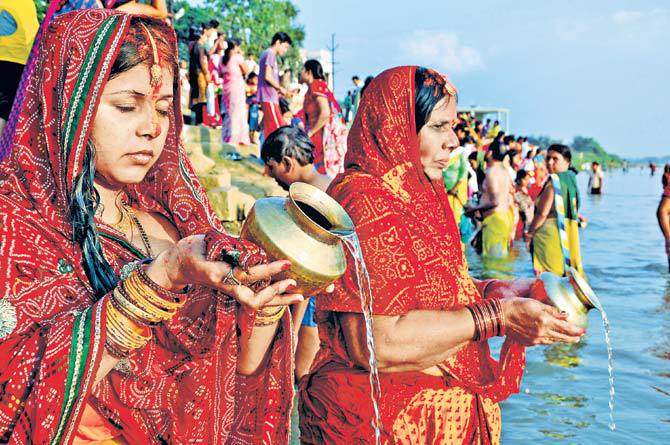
<point x="272" y="295"/>
<point x="567" y="328"/>
<point x="280" y="287"/>
<point x="262" y="271"/>
<point x="559" y="336"/>
<point x="285" y="300"/>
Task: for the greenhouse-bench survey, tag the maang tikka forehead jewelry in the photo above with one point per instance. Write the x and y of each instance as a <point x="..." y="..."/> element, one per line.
<point x="155" y="69"/>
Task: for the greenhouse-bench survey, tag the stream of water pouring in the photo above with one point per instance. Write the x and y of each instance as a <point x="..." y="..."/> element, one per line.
<point x="610" y="357"/>
<point x="610" y="365"/>
<point x="365" y="293"/>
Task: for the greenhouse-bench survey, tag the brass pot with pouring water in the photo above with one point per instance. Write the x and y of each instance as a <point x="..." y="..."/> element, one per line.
<point x="571" y="294"/>
<point x="306" y="228"/>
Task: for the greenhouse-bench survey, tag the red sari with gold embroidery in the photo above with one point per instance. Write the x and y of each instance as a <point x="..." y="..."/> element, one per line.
<point x="412" y="250"/>
<point x="182" y="387"/>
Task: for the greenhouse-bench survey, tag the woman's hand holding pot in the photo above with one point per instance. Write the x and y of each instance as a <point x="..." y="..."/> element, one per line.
<point x="531" y="322"/>
<point x="185" y="263"/>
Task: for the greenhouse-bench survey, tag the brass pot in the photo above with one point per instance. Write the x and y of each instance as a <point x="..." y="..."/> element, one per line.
<point x="571" y="294"/>
<point x="306" y="228"/>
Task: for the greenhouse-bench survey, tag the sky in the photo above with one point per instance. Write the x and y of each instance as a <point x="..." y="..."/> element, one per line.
<point x="596" y="68"/>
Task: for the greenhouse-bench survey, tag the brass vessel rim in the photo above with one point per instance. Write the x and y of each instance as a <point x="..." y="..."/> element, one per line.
<point x="342" y="225"/>
<point x="582" y="289"/>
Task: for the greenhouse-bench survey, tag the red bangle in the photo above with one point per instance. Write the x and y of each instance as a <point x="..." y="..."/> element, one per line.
<point x="166" y="294"/>
<point x="489" y="319"/>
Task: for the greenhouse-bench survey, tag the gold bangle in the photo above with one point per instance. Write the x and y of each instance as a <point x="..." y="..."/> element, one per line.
<point x="267" y="320"/>
<point x="128" y="305"/>
<point x="268" y="312"/>
<point x="151" y="295"/>
<point x="127" y="327"/>
<point x="123" y="333"/>
<point x="141" y="302"/>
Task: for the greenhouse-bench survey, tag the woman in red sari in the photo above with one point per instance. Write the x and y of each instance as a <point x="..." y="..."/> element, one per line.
<point x="439" y="383"/>
<point x="323" y="121"/>
<point x="96" y="345"/>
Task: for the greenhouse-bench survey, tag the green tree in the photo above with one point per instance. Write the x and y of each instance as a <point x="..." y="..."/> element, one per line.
<point x="41" y="6"/>
<point x="253" y="22"/>
<point x="587" y="144"/>
<point x="543" y="141"/>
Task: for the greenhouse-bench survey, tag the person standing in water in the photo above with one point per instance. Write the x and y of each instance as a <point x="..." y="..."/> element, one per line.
<point x="596" y="179"/>
<point x="663" y="212"/>
<point x="556" y="211"/>
<point x="496" y="206"/>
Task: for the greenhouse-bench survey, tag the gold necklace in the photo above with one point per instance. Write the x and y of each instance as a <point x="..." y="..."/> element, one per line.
<point x="124" y="224"/>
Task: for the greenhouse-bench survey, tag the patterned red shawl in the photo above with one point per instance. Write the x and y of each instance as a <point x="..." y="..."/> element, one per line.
<point x="408" y="237"/>
<point x="182" y="387"/>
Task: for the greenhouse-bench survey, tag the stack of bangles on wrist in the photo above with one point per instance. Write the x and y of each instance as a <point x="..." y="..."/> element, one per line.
<point x="269" y="316"/>
<point x="489" y="319"/>
<point x="135" y="305"/>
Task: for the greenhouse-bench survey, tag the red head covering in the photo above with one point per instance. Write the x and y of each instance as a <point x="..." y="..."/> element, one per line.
<point x="182" y="386"/>
<point x="407" y="231"/>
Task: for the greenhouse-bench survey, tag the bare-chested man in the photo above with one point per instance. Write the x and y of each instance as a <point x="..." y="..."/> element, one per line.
<point x="495" y="205"/>
<point x="288" y="156"/>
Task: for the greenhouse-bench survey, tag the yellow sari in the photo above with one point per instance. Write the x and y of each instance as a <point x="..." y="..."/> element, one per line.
<point x="551" y="251"/>
<point x="547" y="254"/>
<point x="457" y="198"/>
<point x="497" y="234"/>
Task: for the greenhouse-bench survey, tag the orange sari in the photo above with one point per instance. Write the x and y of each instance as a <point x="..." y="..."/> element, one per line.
<point x="412" y="249"/>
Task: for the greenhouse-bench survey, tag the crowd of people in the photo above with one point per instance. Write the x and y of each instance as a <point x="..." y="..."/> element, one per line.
<point x="250" y="100"/>
<point x="502" y="188"/>
<point x="128" y="314"/>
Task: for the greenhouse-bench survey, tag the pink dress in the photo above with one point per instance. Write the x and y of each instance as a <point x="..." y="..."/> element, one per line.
<point x="235" y="123"/>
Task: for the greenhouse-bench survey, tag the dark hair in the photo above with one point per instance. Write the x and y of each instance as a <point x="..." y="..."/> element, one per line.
<point x="365" y="84"/>
<point x="232" y="44"/>
<point x="84" y="201"/>
<point x="520" y="175"/>
<point x="497" y="152"/>
<point x="562" y="150"/>
<point x="595" y="163"/>
<point x="283" y="105"/>
<point x="194" y="33"/>
<point x="430" y="89"/>
<point x="355" y="78"/>
<point x="496" y="122"/>
<point x="281" y="37"/>
<point x="288" y="141"/>
<point x="314" y="67"/>
<point x="473" y="156"/>
<point x="251" y="75"/>
<point x="214" y="23"/>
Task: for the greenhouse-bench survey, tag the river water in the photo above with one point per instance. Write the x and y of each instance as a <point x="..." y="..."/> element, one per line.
<point x="565" y="390"/>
